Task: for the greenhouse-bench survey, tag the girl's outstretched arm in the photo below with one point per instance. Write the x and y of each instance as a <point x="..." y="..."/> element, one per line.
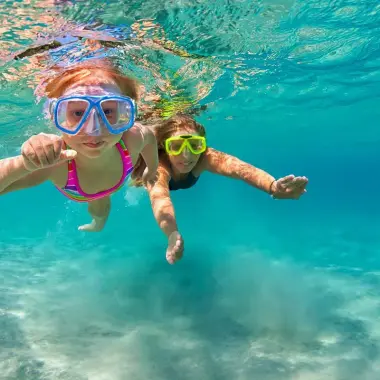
<point x="289" y="187"/>
<point x="14" y="176"/>
<point x="33" y="167"/>
<point x="162" y="205"/>
<point x="163" y="211"/>
<point x="230" y="166"/>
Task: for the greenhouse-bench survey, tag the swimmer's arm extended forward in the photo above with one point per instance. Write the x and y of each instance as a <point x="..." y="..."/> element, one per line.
<point x="39" y="154"/>
<point x="221" y="163"/>
<point x="163" y="211"/>
<point x="162" y="205"/>
<point x="288" y="187"/>
<point x="14" y="175"/>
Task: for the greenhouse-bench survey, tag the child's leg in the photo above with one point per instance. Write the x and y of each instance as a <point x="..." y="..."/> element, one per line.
<point x="99" y="210"/>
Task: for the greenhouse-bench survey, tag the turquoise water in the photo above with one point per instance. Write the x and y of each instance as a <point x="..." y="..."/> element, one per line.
<point x="282" y="290"/>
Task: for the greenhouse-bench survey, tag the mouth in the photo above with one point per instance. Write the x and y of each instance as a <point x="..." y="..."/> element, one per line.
<point x="94" y="145"/>
<point x="187" y="164"/>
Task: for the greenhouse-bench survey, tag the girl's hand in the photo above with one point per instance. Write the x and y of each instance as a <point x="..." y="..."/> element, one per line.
<point x="175" y="247"/>
<point x="44" y="150"/>
<point x="289" y="187"/>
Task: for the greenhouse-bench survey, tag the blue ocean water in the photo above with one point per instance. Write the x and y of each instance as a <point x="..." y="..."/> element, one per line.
<point x="267" y="289"/>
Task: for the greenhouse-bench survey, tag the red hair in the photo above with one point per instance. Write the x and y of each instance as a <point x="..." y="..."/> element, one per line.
<point x="91" y="72"/>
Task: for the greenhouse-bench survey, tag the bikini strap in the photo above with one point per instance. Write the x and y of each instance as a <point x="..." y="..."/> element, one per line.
<point x="122" y="144"/>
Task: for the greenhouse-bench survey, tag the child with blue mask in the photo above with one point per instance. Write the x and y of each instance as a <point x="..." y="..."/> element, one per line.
<point x="93" y="106"/>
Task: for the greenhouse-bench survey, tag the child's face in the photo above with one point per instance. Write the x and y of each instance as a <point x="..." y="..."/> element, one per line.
<point x="85" y="143"/>
<point x="186" y="161"/>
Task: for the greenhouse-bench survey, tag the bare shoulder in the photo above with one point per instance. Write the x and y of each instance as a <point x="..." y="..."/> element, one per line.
<point x="164" y="173"/>
<point x="138" y="132"/>
<point x="145" y="129"/>
<point x="164" y="166"/>
<point x="210" y="159"/>
<point x="134" y="141"/>
<point x="133" y="134"/>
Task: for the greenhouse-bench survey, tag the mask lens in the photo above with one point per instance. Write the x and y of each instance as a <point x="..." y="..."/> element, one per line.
<point x="175" y="145"/>
<point x="118" y="112"/>
<point x="197" y="145"/>
<point x="70" y="113"/>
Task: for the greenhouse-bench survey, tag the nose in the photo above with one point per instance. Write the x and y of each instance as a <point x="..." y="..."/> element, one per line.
<point x="92" y="125"/>
<point x="186" y="153"/>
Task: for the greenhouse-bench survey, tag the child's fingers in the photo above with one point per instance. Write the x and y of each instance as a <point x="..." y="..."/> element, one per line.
<point x="57" y="148"/>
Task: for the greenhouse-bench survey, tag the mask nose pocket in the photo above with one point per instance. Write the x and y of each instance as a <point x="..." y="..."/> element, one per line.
<point x="93" y="124"/>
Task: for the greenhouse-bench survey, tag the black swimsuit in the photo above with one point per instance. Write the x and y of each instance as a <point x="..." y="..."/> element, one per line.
<point x="184" y="183"/>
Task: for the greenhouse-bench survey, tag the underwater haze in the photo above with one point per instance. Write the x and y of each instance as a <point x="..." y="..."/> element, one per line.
<point x="267" y="289"/>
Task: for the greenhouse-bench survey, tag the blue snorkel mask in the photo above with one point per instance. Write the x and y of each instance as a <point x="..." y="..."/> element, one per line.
<point x="92" y="114"/>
